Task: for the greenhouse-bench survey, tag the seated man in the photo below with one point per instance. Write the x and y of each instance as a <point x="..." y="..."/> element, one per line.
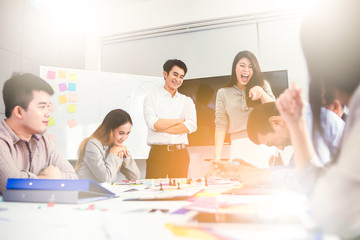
<point x="266" y="126"/>
<point x="25" y="151"/>
<point x="333" y="104"/>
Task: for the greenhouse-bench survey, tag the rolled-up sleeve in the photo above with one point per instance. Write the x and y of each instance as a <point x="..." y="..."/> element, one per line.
<point x="190" y="115"/>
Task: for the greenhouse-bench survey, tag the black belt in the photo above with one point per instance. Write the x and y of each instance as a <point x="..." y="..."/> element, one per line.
<point x="170" y="147"/>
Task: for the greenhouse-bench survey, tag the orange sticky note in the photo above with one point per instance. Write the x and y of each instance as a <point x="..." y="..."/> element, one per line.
<point x="73" y="97"/>
<point x="62" y="99"/>
<point x="61" y="74"/>
<point x="72" y="77"/>
<point x="72" y="123"/>
<point x="51" y="122"/>
<point x="71" y="108"/>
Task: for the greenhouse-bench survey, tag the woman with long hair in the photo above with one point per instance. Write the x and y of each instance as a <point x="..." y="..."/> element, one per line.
<point x="103" y="157"/>
<point x="234" y="102"/>
<point x="330" y="37"/>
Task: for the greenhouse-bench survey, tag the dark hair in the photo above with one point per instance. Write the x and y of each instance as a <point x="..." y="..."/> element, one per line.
<point x="18" y="91"/>
<point x="332" y="57"/>
<point x="103" y="133"/>
<point x="169" y="64"/>
<point x="258" y="121"/>
<point x="257" y="78"/>
<point x="112" y="120"/>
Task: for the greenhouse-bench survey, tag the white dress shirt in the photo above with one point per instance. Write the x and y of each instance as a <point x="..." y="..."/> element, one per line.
<point x="162" y="105"/>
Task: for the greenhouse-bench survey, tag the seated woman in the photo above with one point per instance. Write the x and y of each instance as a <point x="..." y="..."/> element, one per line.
<point x="102" y="156"/>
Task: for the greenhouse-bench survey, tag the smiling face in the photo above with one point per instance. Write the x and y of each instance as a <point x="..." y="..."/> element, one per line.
<point x="244" y="72"/>
<point x="280" y="137"/>
<point x="174" y="79"/>
<point x="36" y="117"/>
<point x="121" y="133"/>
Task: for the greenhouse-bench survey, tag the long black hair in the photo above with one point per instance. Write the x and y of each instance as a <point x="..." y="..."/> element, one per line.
<point x="257" y="78"/>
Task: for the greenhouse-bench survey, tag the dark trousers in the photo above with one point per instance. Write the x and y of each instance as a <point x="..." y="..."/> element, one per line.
<point x="162" y="163"/>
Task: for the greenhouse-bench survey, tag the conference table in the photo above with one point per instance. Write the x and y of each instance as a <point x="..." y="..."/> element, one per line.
<point x="158" y="209"/>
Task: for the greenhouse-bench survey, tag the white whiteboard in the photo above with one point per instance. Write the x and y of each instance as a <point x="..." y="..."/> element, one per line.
<point x="90" y="95"/>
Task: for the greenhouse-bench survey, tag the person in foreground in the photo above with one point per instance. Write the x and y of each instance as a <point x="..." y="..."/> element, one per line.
<point x="330" y="38"/>
<point x="266" y="126"/>
<point x="169" y="116"/>
<point x="25" y="150"/>
<point x="234" y="102"/>
<point x="103" y="156"/>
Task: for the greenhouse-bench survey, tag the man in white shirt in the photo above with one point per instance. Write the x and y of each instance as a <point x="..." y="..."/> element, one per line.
<point x="170" y="116"/>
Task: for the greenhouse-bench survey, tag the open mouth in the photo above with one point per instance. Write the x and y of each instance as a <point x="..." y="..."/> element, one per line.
<point x="245" y="78"/>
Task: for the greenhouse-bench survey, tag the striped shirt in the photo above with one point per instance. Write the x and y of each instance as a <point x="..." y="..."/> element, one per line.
<point x="22" y="159"/>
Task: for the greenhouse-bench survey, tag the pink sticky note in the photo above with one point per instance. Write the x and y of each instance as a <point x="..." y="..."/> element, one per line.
<point x="72" y="123"/>
<point x="73" y="97"/>
<point x="62" y="87"/>
<point x="51" y="75"/>
<point x="61" y="74"/>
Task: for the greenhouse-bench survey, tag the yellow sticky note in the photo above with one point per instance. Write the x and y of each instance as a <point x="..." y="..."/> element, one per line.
<point x="73" y="97"/>
<point x="51" y="122"/>
<point x="72" y="123"/>
<point x="71" y="108"/>
<point x="61" y="74"/>
<point x="72" y="77"/>
<point x="62" y="99"/>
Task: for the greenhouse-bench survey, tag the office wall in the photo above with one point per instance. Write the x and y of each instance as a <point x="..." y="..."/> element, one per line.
<point x="30" y="37"/>
<point x="210" y="51"/>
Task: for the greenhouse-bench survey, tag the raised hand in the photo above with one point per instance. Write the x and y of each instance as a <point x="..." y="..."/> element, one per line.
<point x="290" y="104"/>
<point x="256" y="92"/>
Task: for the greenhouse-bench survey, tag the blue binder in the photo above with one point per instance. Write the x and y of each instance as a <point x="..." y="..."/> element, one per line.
<point x="54" y="190"/>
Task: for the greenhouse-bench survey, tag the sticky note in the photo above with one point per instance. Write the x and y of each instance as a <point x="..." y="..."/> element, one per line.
<point x="61" y="74"/>
<point x="51" y="122"/>
<point x="72" y="123"/>
<point x="73" y="97"/>
<point x="52" y="137"/>
<point x="62" y="99"/>
<point x="62" y="87"/>
<point x="71" y="108"/>
<point x="72" y="86"/>
<point x="51" y="75"/>
<point x="72" y="77"/>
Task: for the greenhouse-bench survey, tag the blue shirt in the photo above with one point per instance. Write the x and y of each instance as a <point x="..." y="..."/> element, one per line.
<point x="333" y="127"/>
